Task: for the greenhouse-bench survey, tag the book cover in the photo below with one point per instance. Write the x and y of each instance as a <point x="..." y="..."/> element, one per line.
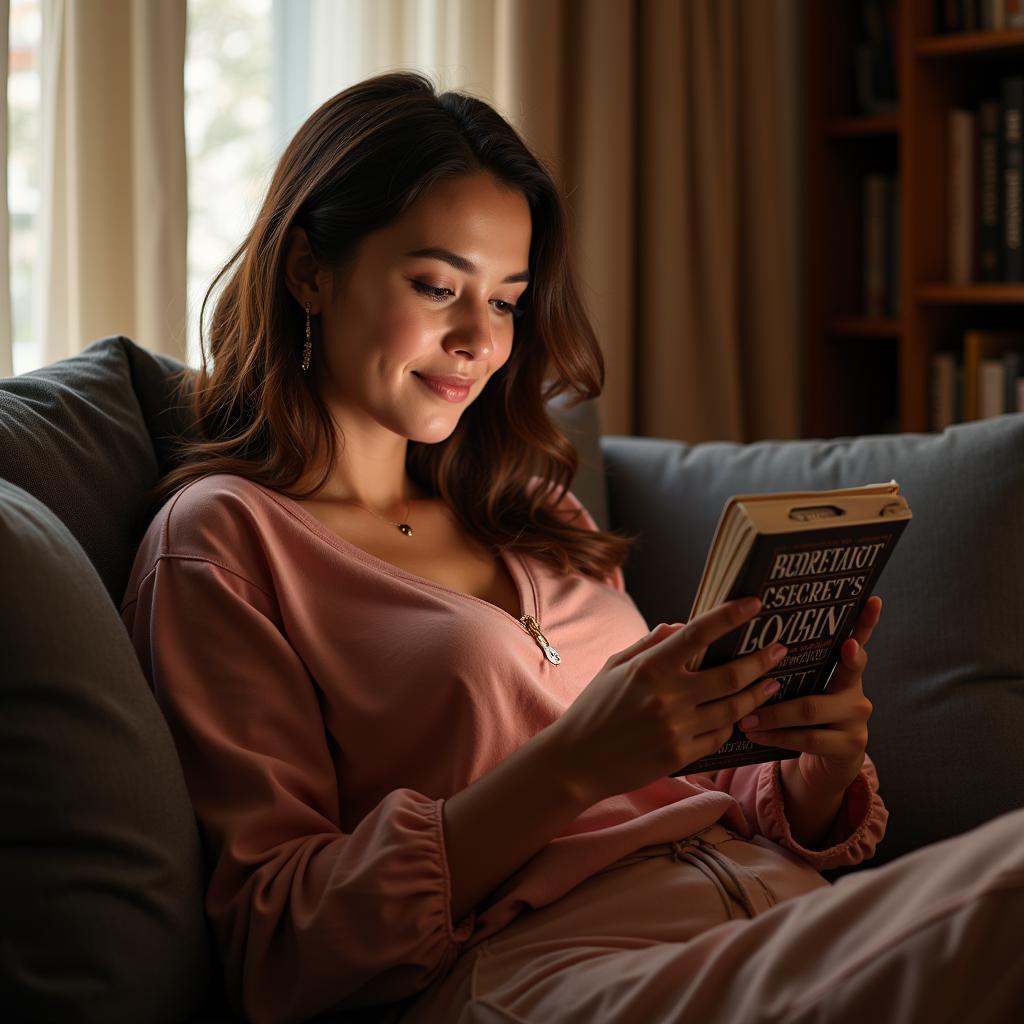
<point x="960" y="135"/>
<point x="813" y="579"/>
<point x="989" y="263"/>
<point x="1013" y="161"/>
<point x="980" y="345"/>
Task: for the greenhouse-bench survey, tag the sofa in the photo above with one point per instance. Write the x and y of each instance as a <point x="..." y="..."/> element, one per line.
<point x="102" y="866"/>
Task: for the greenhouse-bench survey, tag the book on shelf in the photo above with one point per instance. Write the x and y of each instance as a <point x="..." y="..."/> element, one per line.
<point x="988" y="347"/>
<point x="990" y="266"/>
<point x="813" y="558"/>
<point x="875" y="69"/>
<point x="1013" y="162"/>
<point x="961" y="126"/>
<point x="978" y="15"/>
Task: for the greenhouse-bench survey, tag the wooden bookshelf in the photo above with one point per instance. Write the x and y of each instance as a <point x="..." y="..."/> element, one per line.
<point x="872" y="374"/>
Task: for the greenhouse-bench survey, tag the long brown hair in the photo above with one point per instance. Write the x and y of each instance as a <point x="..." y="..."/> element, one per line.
<point x="358" y="162"/>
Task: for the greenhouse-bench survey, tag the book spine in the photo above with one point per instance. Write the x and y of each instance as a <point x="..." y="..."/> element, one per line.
<point x="961" y="195"/>
<point x="991" y="388"/>
<point x="1013" y="160"/>
<point x="993" y="15"/>
<point x="1011" y="375"/>
<point x="989" y="265"/>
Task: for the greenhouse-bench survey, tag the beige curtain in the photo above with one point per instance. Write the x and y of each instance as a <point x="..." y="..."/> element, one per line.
<point x="115" y="210"/>
<point x="6" y="331"/>
<point x="671" y="127"/>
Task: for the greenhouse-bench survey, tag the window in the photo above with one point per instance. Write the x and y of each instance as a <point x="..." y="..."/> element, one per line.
<point x="24" y="169"/>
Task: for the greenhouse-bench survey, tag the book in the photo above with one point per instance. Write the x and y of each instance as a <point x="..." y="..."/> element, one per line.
<point x="991" y="388"/>
<point x="978" y="346"/>
<point x="989" y="263"/>
<point x="960" y="158"/>
<point x="813" y="558"/>
<point x="1012" y="153"/>
<point x="1013" y="366"/>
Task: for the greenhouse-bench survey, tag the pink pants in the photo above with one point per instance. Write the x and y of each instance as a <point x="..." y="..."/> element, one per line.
<point x="715" y="929"/>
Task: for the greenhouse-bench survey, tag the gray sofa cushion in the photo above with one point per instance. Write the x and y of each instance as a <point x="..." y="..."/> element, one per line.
<point x="946" y="672"/>
<point x="74" y="435"/>
<point x="101" y="874"/>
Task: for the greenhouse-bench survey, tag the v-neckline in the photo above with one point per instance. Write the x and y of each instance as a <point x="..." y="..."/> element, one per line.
<point x="516" y="566"/>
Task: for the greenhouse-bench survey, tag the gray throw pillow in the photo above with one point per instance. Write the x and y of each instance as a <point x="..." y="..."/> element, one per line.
<point x="74" y="435"/>
<point x="946" y="672"/>
<point x="101" y="873"/>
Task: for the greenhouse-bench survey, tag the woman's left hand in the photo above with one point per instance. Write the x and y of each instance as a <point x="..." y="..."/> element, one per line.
<point x="829" y="729"/>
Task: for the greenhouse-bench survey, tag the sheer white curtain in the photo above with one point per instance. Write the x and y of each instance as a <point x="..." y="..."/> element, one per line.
<point x="6" y="334"/>
<point x="114" y="212"/>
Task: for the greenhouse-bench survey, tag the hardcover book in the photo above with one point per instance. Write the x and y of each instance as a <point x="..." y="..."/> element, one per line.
<point x="813" y="558"/>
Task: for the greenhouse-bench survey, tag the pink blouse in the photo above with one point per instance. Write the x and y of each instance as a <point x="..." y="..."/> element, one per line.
<point x="324" y="703"/>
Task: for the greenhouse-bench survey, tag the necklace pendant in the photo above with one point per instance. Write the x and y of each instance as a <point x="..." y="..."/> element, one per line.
<point x="405" y="528"/>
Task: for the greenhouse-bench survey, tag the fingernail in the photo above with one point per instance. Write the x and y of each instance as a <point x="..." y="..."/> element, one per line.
<point x="771" y="688"/>
<point x="777" y="652"/>
<point x="748" y="723"/>
<point x="749" y="605"/>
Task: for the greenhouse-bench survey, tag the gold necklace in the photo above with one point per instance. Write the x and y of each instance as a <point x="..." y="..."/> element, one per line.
<point x="403" y="527"/>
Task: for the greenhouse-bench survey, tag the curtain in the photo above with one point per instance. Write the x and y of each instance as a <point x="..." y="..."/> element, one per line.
<point x="6" y="331"/>
<point x="671" y="128"/>
<point x="115" y="209"/>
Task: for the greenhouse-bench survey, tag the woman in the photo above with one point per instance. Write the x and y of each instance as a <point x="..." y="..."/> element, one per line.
<point x="427" y="734"/>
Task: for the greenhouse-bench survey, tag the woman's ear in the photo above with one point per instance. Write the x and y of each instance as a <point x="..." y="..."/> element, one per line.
<point x="300" y="269"/>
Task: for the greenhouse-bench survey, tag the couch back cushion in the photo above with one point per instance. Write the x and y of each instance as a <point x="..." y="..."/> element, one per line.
<point x="101" y="873"/>
<point x="75" y="435"/>
<point x="946" y="671"/>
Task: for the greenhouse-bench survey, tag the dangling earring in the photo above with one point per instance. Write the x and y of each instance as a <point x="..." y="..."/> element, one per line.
<point x="308" y="347"/>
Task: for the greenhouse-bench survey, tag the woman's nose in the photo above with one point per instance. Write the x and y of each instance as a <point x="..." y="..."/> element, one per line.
<point x="472" y="333"/>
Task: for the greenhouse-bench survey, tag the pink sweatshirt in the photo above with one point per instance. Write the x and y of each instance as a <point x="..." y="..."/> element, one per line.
<point x="324" y="703"/>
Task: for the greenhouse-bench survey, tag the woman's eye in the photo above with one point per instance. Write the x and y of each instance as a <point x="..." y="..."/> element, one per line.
<point x="437" y="294"/>
<point x="432" y="292"/>
<point x="508" y="309"/>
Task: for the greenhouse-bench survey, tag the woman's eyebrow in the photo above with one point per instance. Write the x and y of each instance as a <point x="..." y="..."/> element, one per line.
<point x="461" y="263"/>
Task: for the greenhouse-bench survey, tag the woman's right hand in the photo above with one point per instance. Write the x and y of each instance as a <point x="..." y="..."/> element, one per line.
<point x="644" y="715"/>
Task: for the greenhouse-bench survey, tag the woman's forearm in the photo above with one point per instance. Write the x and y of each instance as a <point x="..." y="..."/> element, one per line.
<point x="497" y="823"/>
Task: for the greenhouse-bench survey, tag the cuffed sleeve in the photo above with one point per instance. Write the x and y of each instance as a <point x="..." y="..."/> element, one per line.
<point x="308" y="918"/>
<point x="859" y="826"/>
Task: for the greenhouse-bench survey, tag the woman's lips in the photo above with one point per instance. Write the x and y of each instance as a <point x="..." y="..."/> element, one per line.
<point x="449" y="392"/>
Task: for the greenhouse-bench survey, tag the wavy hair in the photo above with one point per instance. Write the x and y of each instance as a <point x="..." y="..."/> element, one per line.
<point x="359" y="161"/>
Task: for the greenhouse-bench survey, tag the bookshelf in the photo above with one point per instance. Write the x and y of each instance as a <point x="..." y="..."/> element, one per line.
<point x="872" y="373"/>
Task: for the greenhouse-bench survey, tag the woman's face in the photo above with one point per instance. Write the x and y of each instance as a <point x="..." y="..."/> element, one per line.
<point x="428" y="297"/>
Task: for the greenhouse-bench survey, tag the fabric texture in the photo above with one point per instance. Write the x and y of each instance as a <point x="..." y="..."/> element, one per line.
<point x="716" y="929"/>
<point x="75" y="436"/>
<point x="101" y="874"/>
<point x="325" y="703"/>
<point x="946" y="668"/>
